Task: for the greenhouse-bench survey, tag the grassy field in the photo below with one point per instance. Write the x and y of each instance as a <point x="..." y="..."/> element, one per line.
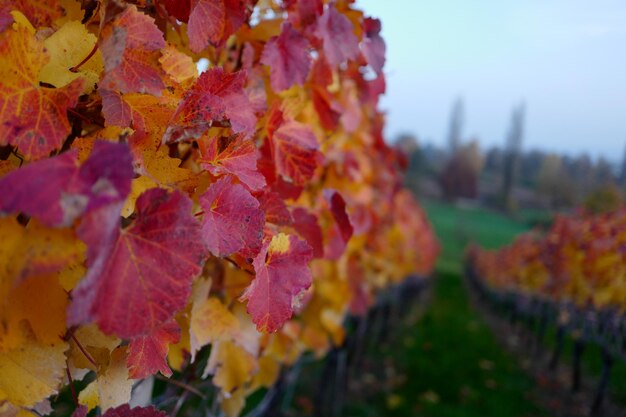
<point x="451" y="361"/>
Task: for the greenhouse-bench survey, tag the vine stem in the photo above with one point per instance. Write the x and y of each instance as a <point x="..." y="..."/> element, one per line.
<point x="82" y="349"/>
<point x="71" y="384"/>
<point x="182" y="385"/>
<point x="87" y="58"/>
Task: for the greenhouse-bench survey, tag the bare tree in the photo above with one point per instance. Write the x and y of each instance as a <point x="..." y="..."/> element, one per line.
<point x="512" y="151"/>
<point x="457" y="118"/>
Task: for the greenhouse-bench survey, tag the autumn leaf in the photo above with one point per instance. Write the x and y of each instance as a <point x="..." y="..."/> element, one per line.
<point x="125" y="411"/>
<point x="234" y="155"/>
<point x="276" y="211"/>
<point x="213" y="21"/>
<point x="373" y="45"/>
<point x="282" y="273"/>
<point x="147" y="354"/>
<point x="57" y="190"/>
<point x="216" y="97"/>
<point x="232" y="220"/>
<point x="211" y="321"/>
<point x="39" y="13"/>
<point x="336" y="32"/>
<point x="33" y="118"/>
<point x="31" y="373"/>
<point x="68" y="47"/>
<point x="129" y="45"/>
<point x="338" y="210"/>
<point x="307" y="226"/>
<point x="294" y="148"/>
<point x="231" y="366"/>
<point x="139" y="277"/>
<point x="178" y="65"/>
<point x="288" y="57"/>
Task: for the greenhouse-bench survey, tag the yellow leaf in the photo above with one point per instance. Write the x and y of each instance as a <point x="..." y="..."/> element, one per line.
<point x="178" y="65"/>
<point x="31" y="373"/>
<point x="68" y="47"/>
<point x="231" y="365"/>
<point x="233" y="404"/>
<point x="268" y="372"/>
<point x="96" y="344"/>
<point x="32" y="301"/>
<point x="111" y="387"/>
<point x="89" y="397"/>
<point x="211" y="321"/>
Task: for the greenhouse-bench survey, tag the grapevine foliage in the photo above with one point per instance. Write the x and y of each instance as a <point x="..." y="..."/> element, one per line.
<point x="580" y="259"/>
<point x="152" y="215"/>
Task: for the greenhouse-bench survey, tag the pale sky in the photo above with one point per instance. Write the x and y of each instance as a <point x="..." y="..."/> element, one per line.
<point x="565" y="58"/>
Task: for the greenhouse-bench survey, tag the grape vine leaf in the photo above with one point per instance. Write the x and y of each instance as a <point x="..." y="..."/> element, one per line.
<point x="125" y="411"/>
<point x="67" y="47"/>
<point x="33" y="118"/>
<point x="282" y="273"/>
<point x="231" y="366"/>
<point x="130" y="46"/>
<point x="338" y="210"/>
<point x="31" y="373"/>
<point x="139" y="277"/>
<point x="337" y="34"/>
<point x="216" y="96"/>
<point x="373" y="45"/>
<point x="232" y="220"/>
<point x="211" y="321"/>
<point x="276" y="211"/>
<point x="213" y="21"/>
<point x="294" y="148"/>
<point x="308" y="227"/>
<point x="147" y="354"/>
<point x="57" y="191"/>
<point x="234" y="155"/>
<point x="288" y="57"/>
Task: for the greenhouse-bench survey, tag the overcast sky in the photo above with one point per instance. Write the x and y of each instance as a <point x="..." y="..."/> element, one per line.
<point x="566" y="59"/>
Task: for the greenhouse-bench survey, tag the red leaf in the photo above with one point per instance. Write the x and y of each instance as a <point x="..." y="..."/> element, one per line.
<point x="275" y="209"/>
<point x="178" y="8"/>
<point x="294" y="148"/>
<point x="235" y="155"/>
<point x="373" y="45"/>
<point x="57" y="191"/>
<point x="304" y="12"/>
<point x="307" y="226"/>
<point x="282" y="273"/>
<point x="139" y="277"/>
<point x="147" y="355"/>
<point x="33" y="118"/>
<point x="288" y="57"/>
<point x="232" y="220"/>
<point x="338" y="210"/>
<point x="213" y="21"/>
<point x="336" y="32"/>
<point x="128" y="46"/>
<point x="216" y="96"/>
<point x="125" y="411"/>
<point x="80" y="411"/>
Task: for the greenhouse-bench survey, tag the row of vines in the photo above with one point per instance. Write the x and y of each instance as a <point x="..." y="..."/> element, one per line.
<point x="196" y="190"/>
<point x="571" y="278"/>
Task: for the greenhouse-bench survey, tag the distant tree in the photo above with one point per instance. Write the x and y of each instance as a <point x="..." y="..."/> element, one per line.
<point x="459" y="178"/>
<point x="455" y="130"/>
<point x="603" y="174"/>
<point x="512" y="150"/>
<point x="604" y="199"/>
<point x="494" y="161"/>
<point x="622" y="173"/>
<point x="554" y="183"/>
<point x="407" y="143"/>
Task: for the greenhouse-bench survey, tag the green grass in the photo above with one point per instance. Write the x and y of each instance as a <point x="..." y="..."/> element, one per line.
<point x="452" y="362"/>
